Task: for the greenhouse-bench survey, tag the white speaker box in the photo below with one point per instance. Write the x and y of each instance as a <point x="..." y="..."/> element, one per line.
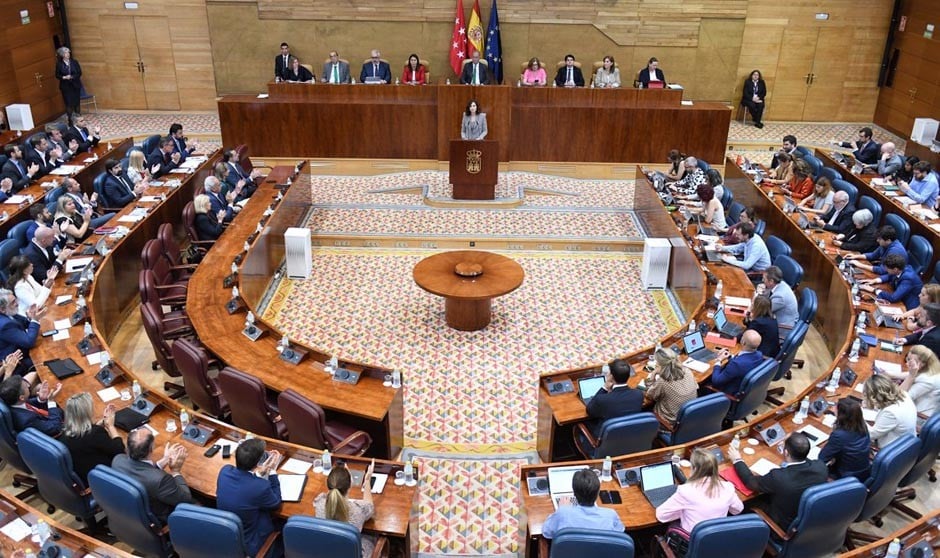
<point x="925" y="130"/>
<point x="298" y="252"/>
<point x="655" y="271"/>
<point x="20" y="117"/>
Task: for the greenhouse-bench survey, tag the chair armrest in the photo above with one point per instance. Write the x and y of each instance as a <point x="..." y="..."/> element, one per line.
<point x="167" y="287"/>
<point x="354" y="436"/>
<point x="209" y="243"/>
<point x="184" y="267"/>
<point x="544" y="547"/>
<point x="267" y="544"/>
<point x="716" y="390"/>
<point x="381" y="548"/>
<point x="587" y="434"/>
<point x="665" y="424"/>
<point x="178" y="332"/>
<point x="770" y="523"/>
<point x="664" y="547"/>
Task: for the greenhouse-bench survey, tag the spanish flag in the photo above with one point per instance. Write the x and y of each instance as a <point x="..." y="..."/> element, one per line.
<point x="475" y="30"/>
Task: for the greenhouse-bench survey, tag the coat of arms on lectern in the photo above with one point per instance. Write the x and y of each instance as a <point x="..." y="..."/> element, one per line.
<point x="474" y="161"/>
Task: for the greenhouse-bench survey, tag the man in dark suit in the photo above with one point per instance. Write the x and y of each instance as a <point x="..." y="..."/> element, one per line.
<point x="789" y="147"/>
<point x="165" y="489"/>
<point x="282" y="61"/>
<point x="839" y="217"/>
<point x="867" y="151"/>
<point x="929" y="334"/>
<point x="41" y="253"/>
<point x="39" y="153"/>
<point x="475" y="72"/>
<point x="728" y="376"/>
<point x="79" y="132"/>
<point x="616" y="398"/>
<point x="904" y="282"/>
<point x="179" y="142"/>
<point x="218" y="201"/>
<point x="163" y="159"/>
<point x="375" y="71"/>
<point x="18" y="333"/>
<point x="16" y="169"/>
<point x="236" y="174"/>
<point x="67" y="148"/>
<point x="118" y="189"/>
<point x="335" y="71"/>
<point x="569" y="75"/>
<point x="32" y="412"/>
<point x="251" y="491"/>
<point x="785" y="485"/>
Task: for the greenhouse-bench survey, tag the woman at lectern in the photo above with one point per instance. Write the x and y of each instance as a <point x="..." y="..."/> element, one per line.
<point x="473" y="126"/>
<point x="414" y="73"/>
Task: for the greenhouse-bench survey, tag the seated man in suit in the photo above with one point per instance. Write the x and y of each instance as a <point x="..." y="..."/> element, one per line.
<point x="236" y="173"/>
<point x="17" y="170"/>
<point x="79" y="132"/>
<point x="164" y="489"/>
<point x="375" y="71"/>
<point x="929" y="334"/>
<point x="584" y="514"/>
<point x="475" y="72"/>
<point x="616" y="398"/>
<point x="218" y="201"/>
<point x="866" y="151"/>
<point x="904" y="282"/>
<point x="335" y="71"/>
<point x="789" y="147"/>
<point x="888" y="243"/>
<point x="751" y="248"/>
<point x="41" y="253"/>
<point x="785" y="485"/>
<point x="783" y="302"/>
<point x="569" y="75"/>
<point x="861" y="238"/>
<point x="83" y="203"/>
<point x="839" y="217"/>
<point x="251" y="491"/>
<point x="39" y="152"/>
<point x="18" y="333"/>
<point x="890" y="162"/>
<point x="924" y="188"/>
<point x="728" y="376"/>
<point x="163" y="160"/>
<point x="32" y="412"/>
<point x="39" y="215"/>
<point x="68" y="148"/>
<point x="179" y="142"/>
<point x="118" y="189"/>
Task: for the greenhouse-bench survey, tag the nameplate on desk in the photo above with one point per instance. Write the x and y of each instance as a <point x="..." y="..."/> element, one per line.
<point x="346" y="376"/>
<point x="560" y="387"/>
<point x="252" y="332"/>
<point x="293" y="356"/>
<point x="197" y="434"/>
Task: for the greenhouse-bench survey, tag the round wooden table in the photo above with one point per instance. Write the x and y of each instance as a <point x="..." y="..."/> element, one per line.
<point x="468" y="280"/>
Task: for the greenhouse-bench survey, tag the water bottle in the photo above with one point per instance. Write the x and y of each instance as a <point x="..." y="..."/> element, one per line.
<point x="736" y="442"/>
<point x="855" y="297"/>
<point x="894" y="549"/>
<point x="86" y="330"/>
<point x="409" y="473"/>
<point x="135" y="389"/>
<point x="447" y="81"/>
<point x="719" y="289"/>
<point x="184" y="419"/>
<point x="327" y="462"/>
<point x="519" y="83"/>
<point x="44" y="532"/>
<point x="692" y="325"/>
<point x="863" y="320"/>
<point x="605" y="469"/>
<point x="834" y="380"/>
<point x="856" y="345"/>
<point x="803" y="412"/>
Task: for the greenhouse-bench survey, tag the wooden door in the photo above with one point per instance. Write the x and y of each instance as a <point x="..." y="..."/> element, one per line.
<point x="123" y="63"/>
<point x="33" y="59"/>
<point x="159" y="67"/>
<point x="794" y="66"/>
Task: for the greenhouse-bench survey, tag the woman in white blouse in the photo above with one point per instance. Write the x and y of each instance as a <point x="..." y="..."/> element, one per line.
<point x="607" y="75"/>
<point x="27" y="290"/>
<point x="923" y="379"/>
<point x="137" y="167"/>
<point x="897" y="414"/>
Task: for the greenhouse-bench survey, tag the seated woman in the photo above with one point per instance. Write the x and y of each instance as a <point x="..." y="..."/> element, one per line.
<point x="747" y="215"/>
<point x="208" y="225"/>
<point x="651" y="77"/>
<point x="414" y="72"/>
<point x="69" y="222"/>
<point x="669" y="386"/>
<point x="297" y="73"/>
<point x="897" y="414"/>
<point x="607" y="75"/>
<point x="760" y="318"/>
<point x="473" y="125"/>
<point x="913" y="319"/>
<point x="783" y="172"/>
<point x="704" y="496"/>
<point x="222" y="172"/>
<point x="752" y="96"/>
<point x="336" y="506"/>
<point x="862" y="236"/>
<point x="923" y="379"/>
<point x="534" y="74"/>
<point x="27" y="290"/>
<point x="849" y="445"/>
<point x="137" y="167"/>
<point x="821" y="198"/>
<point x="90" y="443"/>
<point x="677" y="165"/>
<point x="801" y="185"/>
<point x="907" y="169"/>
<point x="712" y="210"/>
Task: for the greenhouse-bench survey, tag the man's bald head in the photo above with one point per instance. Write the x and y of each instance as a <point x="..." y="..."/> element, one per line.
<point x="888" y="147"/>
<point x="140" y="444"/>
<point x="45" y="236"/>
<point x="750" y="340"/>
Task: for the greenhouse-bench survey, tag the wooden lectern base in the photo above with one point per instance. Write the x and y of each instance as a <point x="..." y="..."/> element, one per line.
<point x="474" y="167"/>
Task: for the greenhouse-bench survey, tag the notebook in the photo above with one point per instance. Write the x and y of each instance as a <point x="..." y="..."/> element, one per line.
<point x="730" y="475"/>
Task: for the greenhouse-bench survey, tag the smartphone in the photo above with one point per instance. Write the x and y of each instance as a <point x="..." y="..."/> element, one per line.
<point x="213" y="450"/>
<point x="226" y="452"/>
<point x="50" y="332"/>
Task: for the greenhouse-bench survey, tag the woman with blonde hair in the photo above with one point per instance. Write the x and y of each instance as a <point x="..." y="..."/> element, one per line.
<point x="928" y="293"/>
<point x="137" y="167"/>
<point x="208" y="224"/>
<point x="821" y="198"/>
<point x="90" y="443"/>
<point x="704" y="496"/>
<point x="336" y="505"/>
<point x="69" y="222"/>
<point x="670" y="385"/>
<point x="783" y="172"/>
<point x="897" y="414"/>
<point x="923" y="379"/>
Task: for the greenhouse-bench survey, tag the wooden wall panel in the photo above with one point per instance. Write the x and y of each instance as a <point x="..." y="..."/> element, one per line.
<point x="27" y="51"/>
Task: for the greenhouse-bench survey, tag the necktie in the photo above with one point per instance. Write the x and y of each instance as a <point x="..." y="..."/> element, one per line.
<point x="82" y="132"/>
<point x="335" y="73"/>
<point x="570" y="75"/>
<point x="37" y="410"/>
<point x="476" y="74"/>
<point x="19" y="167"/>
<point x="285" y="60"/>
<point x="834" y="215"/>
<point x="375" y="70"/>
<point x="123" y="180"/>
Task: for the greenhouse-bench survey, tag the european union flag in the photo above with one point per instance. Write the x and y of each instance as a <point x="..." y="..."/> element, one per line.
<point x="494" y="50"/>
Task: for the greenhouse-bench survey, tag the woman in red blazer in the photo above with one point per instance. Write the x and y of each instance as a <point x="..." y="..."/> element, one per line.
<point x="801" y="185"/>
<point x="414" y="72"/>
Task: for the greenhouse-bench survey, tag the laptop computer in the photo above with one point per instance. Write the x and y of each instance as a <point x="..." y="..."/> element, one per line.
<point x="657" y="482"/>
<point x="725" y="327"/>
<point x="884" y="319"/>
<point x="702" y="226"/>
<point x="713" y="256"/>
<point x="694" y="345"/>
<point x="559" y="484"/>
<point x="789" y="204"/>
<point x="588" y="387"/>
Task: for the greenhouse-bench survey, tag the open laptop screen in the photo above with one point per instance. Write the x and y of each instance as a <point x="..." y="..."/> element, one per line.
<point x="656" y="476"/>
<point x="720" y="318"/>
<point x="587" y="387"/>
<point x="693" y="342"/>
<point x="560" y="478"/>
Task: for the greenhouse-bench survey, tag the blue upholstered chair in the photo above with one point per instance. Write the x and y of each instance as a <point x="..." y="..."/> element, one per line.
<point x="753" y="390"/>
<point x="869" y="203"/>
<point x="59" y="486"/>
<point x="814" y="164"/>
<point x="127" y="505"/>
<point x="18" y="231"/>
<point x="830" y="173"/>
<point x="578" y="543"/>
<point x="791" y="269"/>
<point x="900" y="226"/>
<point x="846" y="187"/>
<point x="791" y="344"/>
<point x="149" y="144"/>
<point x="199" y="532"/>
<point x="777" y="247"/>
<point x="747" y="534"/>
<point x="809" y="305"/>
<point x="310" y="537"/>
<point x="10" y="454"/>
<point x="618" y="436"/>
<point x="727" y="198"/>
<point x="760" y="227"/>
<point x="734" y="213"/>
<point x="9" y="247"/>
<point x="697" y="418"/>
<point x="929" y="448"/>
<point x="803" y="151"/>
<point x="919" y="254"/>
<point x="703" y="164"/>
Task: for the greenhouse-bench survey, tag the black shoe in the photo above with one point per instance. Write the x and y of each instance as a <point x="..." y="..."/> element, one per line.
<point x="758" y="124"/>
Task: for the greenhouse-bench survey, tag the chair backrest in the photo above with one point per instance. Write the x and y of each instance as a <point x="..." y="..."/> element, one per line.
<point x="747" y="534"/>
<point x="869" y="203"/>
<point x="929" y="448"/>
<point x="51" y="464"/>
<point x="900" y="226"/>
<point x="791" y="344"/>
<point x="803" y="150"/>
<point x="919" y="253"/>
<point x="936" y="273"/>
<point x="776" y="247"/>
<point x="171" y="248"/>
<point x="189" y="221"/>
<point x="809" y="305"/>
<point x="9" y="451"/>
<point x="830" y="173"/>
<point x="846" y="187"/>
<point x="891" y="464"/>
<point x="193" y="364"/>
<point x="791" y="269"/>
<point x="629" y="434"/>
<point x="311" y="537"/>
<point x="98" y="186"/>
<point x="153" y="326"/>
<point x="734" y="212"/>
<point x="9" y="247"/>
<point x="28" y="142"/>
<point x="727" y="198"/>
<point x="127" y="505"/>
<point x="246" y="397"/>
<point x="18" y="231"/>
<point x="152" y="257"/>
<point x="577" y="543"/>
<point x="700" y="417"/>
<point x="150" y="144"/>
<point x="201" y="532"/>
<point x="305" y="420"/>
<point x="760" y="227"/>
<point x="753" y="389"/>
<point x="814" y="164"/>
<point x="824" y="516"/>
<point x="703" y="164"/>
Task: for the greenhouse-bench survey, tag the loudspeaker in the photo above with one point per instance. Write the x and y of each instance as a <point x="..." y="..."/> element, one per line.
<point x="298" y="252"/>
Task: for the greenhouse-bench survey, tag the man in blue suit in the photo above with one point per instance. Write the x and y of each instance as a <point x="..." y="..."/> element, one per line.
<point x="888" y="244"/>
<point x="32" y="412"/>
<point x="179" y="142"/>
<point x="904" y="282"/>
<point x="867" y="151"/>
<point x="236" y="174"/>
<point x="219" y="201"/>
<point x="375" y="71"/>
<point x="616" y="398"/>
<point x="118" y="189"/>
<point x="251" y="491"/>
<point x="16" y="332"/>
<point x="162" y="160"/>
<point x="728" y="376"/>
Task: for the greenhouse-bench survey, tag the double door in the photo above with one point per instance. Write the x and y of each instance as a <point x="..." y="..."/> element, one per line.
<point x="140" y="62"/>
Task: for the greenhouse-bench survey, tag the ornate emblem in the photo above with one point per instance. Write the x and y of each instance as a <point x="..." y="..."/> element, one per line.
<point x="474" y="161"/>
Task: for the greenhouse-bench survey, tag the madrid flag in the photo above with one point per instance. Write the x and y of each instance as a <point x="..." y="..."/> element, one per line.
<point x="458" y="43"/>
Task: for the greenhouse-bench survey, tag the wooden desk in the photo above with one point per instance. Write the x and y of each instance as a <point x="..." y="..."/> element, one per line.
<point x="418" y="122"/>
<point x="926" y="529"/>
